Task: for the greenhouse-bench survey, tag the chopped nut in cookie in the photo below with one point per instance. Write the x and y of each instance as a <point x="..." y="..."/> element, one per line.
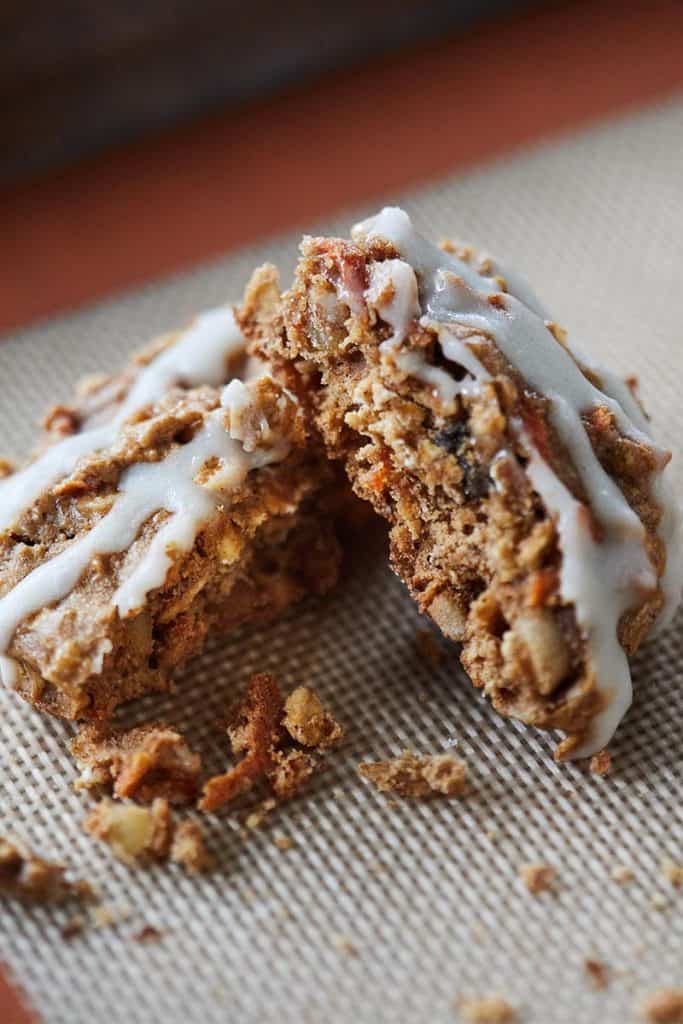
<point x="665" y="1006"/>
<point x="418" y="775"/>
<point x="538" y="877"/>
<point x="487" y="1010"/>
<point x="149" y="761"/>
<point x="135" y="834"/>
<point x="25" y="875"/>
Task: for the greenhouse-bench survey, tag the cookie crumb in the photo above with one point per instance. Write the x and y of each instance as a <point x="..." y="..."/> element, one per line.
<point x="263" y="730"/>
<point x="258" y="815"/>
<point x="344" y="945"/>
<point x="597" y="972"/>
<point x="283" y="842"/>
<point x="601" y="763"/>
<point x="148" y="933"/>
<point x="291" y="771"/>
<point x="103" y="915"/>
<point x="488" y="1010"/>
<point x="145" y="762"/>
<point x="622" y="874"/>
<point x="25" y="875"/>
<point x="134" y="834"/>
<point x="664" y="1006"/>
<point x="538" y="877"/>
<point x="188" y="848"/>
<point x="672" y="871"/>
<point x="659" y="901"/>
<point x="73" y="927"/>
<point x="307" y="721"/>
<point x="418" y="775"/>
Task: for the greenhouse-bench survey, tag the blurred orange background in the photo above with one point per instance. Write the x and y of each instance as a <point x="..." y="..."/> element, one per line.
<point x="187" y="194"/>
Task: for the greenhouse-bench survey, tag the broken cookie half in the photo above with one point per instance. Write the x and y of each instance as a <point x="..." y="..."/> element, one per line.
<point x="530" y="510"/>
<point x="171" y="500"/>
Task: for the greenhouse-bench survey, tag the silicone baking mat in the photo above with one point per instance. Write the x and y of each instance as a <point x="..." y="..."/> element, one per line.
<point x="389" y="910"/>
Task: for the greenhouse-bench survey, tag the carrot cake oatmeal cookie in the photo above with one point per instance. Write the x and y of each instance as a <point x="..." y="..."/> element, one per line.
<point x="169" y="500"/>
<point x="529" y="507"/>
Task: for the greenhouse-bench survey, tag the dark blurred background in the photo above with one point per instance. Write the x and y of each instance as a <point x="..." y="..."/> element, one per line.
<point x="77" y="75"/>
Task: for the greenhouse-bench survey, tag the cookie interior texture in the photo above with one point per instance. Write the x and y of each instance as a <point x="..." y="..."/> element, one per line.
<point x="257" y="544"/>
<point x="470" y="535"/>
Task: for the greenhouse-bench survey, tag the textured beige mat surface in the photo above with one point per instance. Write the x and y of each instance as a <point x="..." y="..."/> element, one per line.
<point x="381" y="911"/>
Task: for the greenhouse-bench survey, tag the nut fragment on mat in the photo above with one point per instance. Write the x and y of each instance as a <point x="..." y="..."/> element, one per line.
<point x="25" y="875"/>
<point x="487" y="1010"/>
<point x="171" y="500"/>
<point x="418" y="775"/>
<point x="538" y="877"/>
<point x="307" y="721"/>
<point x="134" y="834"/>
<point x="145" y="762"/>
<point x="531" y="512"/>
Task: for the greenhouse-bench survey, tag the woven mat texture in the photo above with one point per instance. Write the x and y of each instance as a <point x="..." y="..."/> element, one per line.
<point x="386" y="911"/>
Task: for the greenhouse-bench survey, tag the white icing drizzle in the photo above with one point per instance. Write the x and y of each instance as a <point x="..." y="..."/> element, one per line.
<point x="199" y="356"/>
<point x="601" y="578"/>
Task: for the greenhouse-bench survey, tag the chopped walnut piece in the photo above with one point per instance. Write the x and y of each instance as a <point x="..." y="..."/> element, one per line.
<point x="135" y="834"/>
<point x="284" y="842"/>
<point x="665" y="1006"/>
<point x="263" y="730"/>
<point x="149" y="761"/>
<point x="418" y="775"/>
<point x="25" y="875"/>
<point x="537" y="877"/>
<point x="489" y="1010"/>
<point x="597" y="972"/>
<point x="601" y="763"/>
<point x="622" y="874"/>
<point x="672" y="871"/>
<point x="307" y="721"/>
<point x="188" y="848"/>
